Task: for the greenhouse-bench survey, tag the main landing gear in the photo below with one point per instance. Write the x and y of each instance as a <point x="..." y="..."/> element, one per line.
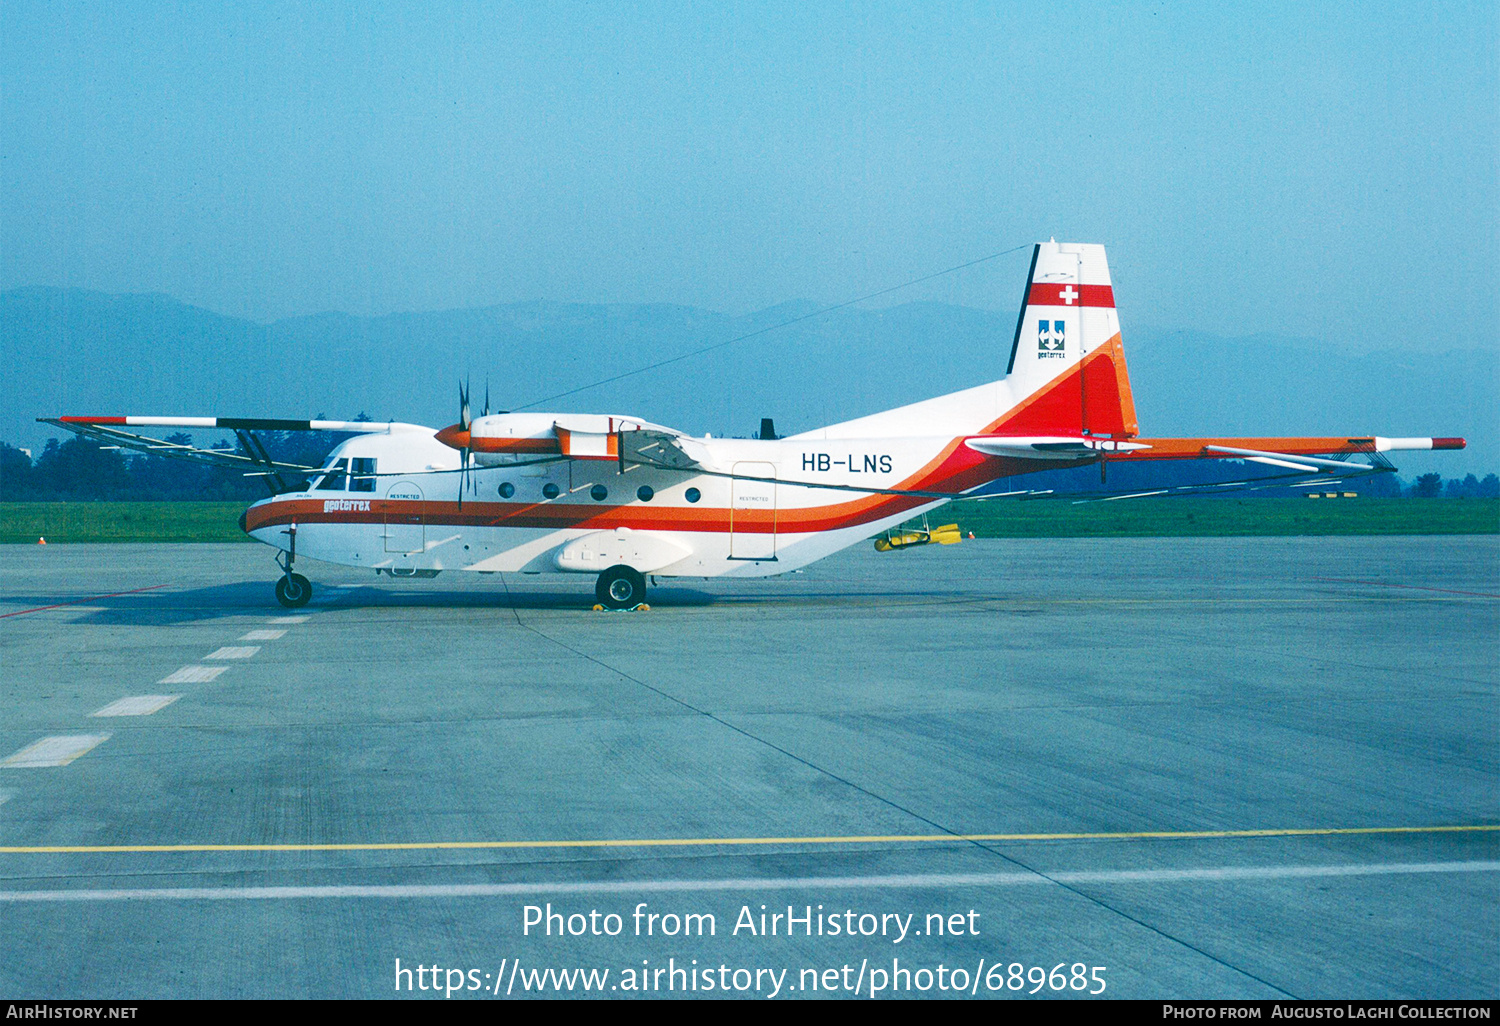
<point x="293" y="590"/>
<point x="620" y="587"/>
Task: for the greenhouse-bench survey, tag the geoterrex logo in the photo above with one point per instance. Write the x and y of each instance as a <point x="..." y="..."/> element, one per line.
<point x="1051" y="338"/>
<point x="346" y="505"/>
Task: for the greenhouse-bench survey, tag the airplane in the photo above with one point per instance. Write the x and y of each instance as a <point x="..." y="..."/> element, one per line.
<point x="621" y="498"/>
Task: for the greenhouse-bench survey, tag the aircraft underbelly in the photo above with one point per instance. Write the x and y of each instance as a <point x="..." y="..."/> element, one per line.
<point x="535" y="550"/>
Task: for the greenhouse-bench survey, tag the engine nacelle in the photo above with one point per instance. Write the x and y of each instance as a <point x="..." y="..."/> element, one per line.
<point x="503" y="438"/>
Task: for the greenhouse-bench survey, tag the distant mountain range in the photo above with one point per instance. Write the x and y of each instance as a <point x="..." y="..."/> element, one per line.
<point x="73" y="351"/>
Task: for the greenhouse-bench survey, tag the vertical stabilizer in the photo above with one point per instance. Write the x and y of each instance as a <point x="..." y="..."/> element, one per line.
<point x="1067" y="366"/>
<point x="1065" y="375"/>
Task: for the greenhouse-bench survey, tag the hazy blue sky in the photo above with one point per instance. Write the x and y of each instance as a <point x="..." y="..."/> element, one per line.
<point x="1310" y="169"/>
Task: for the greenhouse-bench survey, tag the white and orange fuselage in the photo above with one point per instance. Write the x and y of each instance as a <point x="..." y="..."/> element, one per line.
<point x="553" y="493"/>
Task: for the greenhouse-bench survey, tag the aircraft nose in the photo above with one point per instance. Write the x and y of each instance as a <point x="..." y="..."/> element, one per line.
<point x="454" y="436"/>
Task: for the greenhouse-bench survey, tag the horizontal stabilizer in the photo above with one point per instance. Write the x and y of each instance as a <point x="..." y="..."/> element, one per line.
<point x="1049" y="447"/>
<point x="1290" y="448"/>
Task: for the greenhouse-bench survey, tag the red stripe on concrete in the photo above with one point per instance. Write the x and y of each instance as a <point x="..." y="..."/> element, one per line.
<point x="74" y="602"/>
<point x="1412" y="587"/>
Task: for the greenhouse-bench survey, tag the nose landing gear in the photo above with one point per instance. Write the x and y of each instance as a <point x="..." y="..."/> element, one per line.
<point x="293" y="590"/>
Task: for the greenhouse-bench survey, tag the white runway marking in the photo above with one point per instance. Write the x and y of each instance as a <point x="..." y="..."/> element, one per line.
<point x="193" y="675"/>
<point x="233" y="652"/>
<point x="263" y="635"/>
<point x="287" y="619"/>
<point x="904" y="882"/>
<point x="137" y="705"/>
<point x="53" y="751"/>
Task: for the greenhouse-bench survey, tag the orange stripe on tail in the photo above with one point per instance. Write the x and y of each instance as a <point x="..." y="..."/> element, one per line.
<point x="1091" y="397"/>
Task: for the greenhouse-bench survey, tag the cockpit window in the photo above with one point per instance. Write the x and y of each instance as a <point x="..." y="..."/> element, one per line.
<point x="362" y="474"/>
<point x="333" y="481"/>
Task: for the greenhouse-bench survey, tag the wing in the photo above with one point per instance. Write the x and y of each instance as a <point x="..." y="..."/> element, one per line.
<point x="252" y="458"/>
<point x="100" y="429"/>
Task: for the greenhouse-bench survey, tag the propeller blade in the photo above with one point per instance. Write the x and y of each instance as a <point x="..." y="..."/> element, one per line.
<point x="464" y="421"/>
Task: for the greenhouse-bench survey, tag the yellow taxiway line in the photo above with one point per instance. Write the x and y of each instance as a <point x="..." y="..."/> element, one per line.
<point x="692" y="842"/>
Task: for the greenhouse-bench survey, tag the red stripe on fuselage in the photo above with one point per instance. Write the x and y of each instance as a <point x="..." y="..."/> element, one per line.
<point x="955" y="469"/>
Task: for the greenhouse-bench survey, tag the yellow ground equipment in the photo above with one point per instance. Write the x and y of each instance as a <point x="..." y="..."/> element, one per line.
<point x="906" y="537"/>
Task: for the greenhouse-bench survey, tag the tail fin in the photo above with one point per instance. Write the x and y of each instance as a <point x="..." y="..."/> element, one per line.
<point x="1067" y="367"/>
<point x="1066" y="374"/>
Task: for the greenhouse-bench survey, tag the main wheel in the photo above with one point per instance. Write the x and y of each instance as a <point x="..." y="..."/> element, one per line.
<point x="293" y="591"/>
<point x="620" y="587"/>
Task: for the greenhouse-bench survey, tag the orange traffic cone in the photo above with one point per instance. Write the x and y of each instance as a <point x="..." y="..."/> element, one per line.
<point x="41" y="541"/>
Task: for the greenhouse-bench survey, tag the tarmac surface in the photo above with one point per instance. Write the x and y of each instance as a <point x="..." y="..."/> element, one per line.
<point x="470" y="739"/>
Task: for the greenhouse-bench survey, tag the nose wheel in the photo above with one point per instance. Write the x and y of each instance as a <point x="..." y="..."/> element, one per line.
<point x="293" y="590"/>
<point x="620" y="587"/>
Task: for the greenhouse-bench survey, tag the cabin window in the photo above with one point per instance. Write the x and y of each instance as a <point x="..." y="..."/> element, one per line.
<point x="333" y="481"/>
<point x="693" y="495"/>
<point x="645" y="493"/>
<point x="599" y="493"/>
<point x="550" y="490"/>
<point x="507" y="489"/>
<point x="362" y="474"/>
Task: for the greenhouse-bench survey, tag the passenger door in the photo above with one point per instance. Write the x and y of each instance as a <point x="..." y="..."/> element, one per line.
<point x="752" y="511"/>
<point x="404" y="529"/>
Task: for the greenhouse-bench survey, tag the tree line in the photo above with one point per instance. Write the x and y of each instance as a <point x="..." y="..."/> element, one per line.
<point x="81" y="469"/>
